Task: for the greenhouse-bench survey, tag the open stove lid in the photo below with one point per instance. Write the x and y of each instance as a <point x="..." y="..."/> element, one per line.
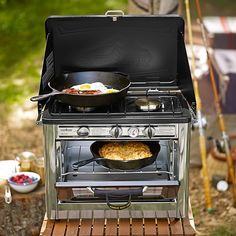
<point x="149" y="48"/>
<point x="143" y="47"/>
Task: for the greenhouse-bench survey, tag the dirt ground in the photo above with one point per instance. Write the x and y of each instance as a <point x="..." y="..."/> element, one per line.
<point x="20" y="133"/>
<point x="224" y="214"/>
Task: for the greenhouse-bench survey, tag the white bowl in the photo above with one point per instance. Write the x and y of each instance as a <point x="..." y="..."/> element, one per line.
<point x="25" y="187"/>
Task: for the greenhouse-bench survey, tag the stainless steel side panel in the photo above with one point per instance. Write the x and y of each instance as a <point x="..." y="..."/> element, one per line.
<point x="184" y="157"/>
<point x="50" y="167"/>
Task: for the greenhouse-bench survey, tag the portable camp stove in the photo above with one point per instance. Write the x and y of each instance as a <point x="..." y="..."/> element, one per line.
<point x="151" y="50"/>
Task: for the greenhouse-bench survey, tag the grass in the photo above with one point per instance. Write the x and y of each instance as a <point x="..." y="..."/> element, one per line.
<point x="22" y="40"/>
<point x="224" y="231"/>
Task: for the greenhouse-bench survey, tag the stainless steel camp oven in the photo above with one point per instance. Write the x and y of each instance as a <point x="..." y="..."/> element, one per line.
<point x="151" y="51"/>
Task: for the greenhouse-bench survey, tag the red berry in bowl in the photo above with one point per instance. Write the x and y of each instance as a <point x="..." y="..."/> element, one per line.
<point x="22" y="179"/>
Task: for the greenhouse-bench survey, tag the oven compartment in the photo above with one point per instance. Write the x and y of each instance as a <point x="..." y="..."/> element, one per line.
<point x="94" y="183"/>
<point x="68" y="152"/>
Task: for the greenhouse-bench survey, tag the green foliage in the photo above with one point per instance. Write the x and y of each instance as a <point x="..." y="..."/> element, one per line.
<point x="3" y="2"/>
<point x="22" y="39"/>
<point x="224" y="231"/>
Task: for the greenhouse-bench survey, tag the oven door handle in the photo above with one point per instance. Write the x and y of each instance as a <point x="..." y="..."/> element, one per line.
<point x="118" y="194"/>
<point x="118" y="206"/>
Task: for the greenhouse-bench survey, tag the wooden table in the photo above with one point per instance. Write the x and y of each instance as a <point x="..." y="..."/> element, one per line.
<point x="118" y="227"/>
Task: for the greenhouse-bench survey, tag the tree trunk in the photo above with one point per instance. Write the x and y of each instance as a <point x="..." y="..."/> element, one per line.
<point x="24" y="215"/>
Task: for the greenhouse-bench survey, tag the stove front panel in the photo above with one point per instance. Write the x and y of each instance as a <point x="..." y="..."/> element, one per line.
<point x="114" y="132"/>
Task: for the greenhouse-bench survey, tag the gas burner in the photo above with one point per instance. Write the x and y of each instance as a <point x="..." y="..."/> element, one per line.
<point x="148" y="104"/>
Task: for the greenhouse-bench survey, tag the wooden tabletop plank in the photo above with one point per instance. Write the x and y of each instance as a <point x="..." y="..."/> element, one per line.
<point x="124" y="227"/>
<point x="72" y="227"/>
<point x="85" y="227"/>
<point x="59" y="228"/>
<point x="163" y="227"/>
<point x="188" y="229"/>
<point x="49" y="228"/>
<point x="150" y="228"/>
<point x="111" y="227"/>
<point x="137" y="227"/>
<point x="176" y="227"/>
<point x="98" y="227"/>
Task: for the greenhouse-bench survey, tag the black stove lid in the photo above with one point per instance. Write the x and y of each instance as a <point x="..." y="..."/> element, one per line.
<point x="150" y="49"/>
<point x="143" y="47"/>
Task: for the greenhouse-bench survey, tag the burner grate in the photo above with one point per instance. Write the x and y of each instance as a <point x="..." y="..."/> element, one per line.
<point x="170" y="105"/>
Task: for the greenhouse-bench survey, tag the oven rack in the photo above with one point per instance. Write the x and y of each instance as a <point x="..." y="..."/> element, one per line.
<point x="117" y="179"/>
<point x="157" y="169"/>
<point x="120" y="173"/>
<point x="93" y="174"/>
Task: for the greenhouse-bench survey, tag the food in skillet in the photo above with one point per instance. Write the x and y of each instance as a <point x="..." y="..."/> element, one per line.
<point x="125" y="151"/>
<point x="90" y="89"/>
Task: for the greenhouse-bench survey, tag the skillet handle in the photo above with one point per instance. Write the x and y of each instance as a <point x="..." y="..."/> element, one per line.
<point x="43" y="96"/>
<point x="78" y="164"/>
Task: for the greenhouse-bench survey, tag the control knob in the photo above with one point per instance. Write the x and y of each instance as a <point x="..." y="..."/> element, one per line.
<point x="133" y="132"/>
<point x="83" y="132"/>
<point x="149" y="132"/>
<point x="116" y="132"/>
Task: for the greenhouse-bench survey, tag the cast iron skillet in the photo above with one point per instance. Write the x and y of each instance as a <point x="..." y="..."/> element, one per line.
<point x="114" y="80"/>
<point x="118" y="164"/>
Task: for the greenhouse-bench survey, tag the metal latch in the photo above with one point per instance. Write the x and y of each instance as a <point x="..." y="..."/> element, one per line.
<point x="114" y="14"/>
<point x="194" y="119"/>
<point x="40" y="113"/>
<point x="201" y="122"/>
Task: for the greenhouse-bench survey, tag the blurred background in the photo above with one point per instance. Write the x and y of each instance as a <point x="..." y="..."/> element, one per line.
<point x="22" y="44"/>
<point x="22" y="38"/>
